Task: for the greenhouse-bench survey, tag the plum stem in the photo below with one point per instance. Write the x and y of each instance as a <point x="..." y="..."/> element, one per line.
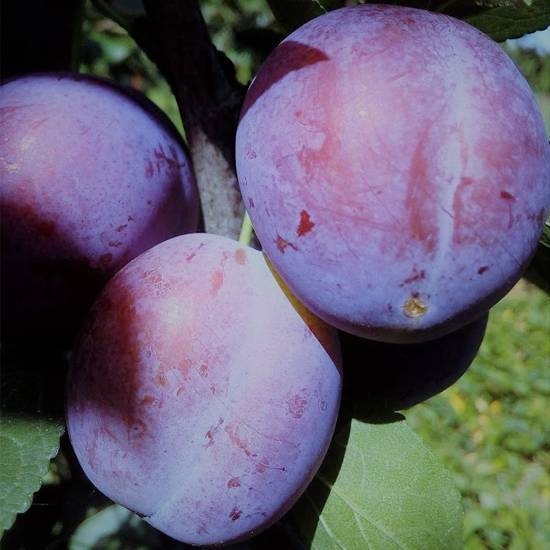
<point x="245" y="237"/>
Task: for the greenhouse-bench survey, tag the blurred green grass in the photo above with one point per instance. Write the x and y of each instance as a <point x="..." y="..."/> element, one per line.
<point x="492" y="428"/>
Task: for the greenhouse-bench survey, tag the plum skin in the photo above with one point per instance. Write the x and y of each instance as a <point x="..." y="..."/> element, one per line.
<point x="198" y="396"/>
<point x="382" y="377"/>
<point x="92" y="174"/>
<point x="396" y="169"/>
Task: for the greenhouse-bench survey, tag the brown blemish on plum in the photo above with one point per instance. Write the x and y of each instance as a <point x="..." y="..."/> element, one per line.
<point x="296" y="405"/>
<point x="149" y="169"/>
<point x="234" y="482"/>
<point x="203" y="370"/>
<point x="417" y="276"/>
<point x="507" y="196"/>
<point x="261" y="467"/>
<point x="283" y="243"/>
<point x="147" y="400"/>
<point x="235" y="514"/>
<point x="237" y="441"/>
<point x="414" y="307"/>
<point x="240" y="256"/>
<point x="194" y="253"/>
<point x="212" y="432"/>
<point x="251" y="203"/>
<point x="121" y="227"/>
<point x="217" y="281"/>
<point x="185" y="367"/>
<point x="306" y="225"/>
<point x="287" y="57"/>
<point x="170" y="162"/>
<point x="160" y="379"/>
<point x="114" y="244"/>
<point x="483" y="269"/>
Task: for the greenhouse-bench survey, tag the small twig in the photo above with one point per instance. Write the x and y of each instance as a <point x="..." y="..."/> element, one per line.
<point x="247" y="230"/>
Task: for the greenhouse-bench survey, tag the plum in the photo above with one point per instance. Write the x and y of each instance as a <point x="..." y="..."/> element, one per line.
<point x="199" y="396"/>
<point x="92" y="175"/>
<point x="382" y="377"/>
<point x="395" y="167"/>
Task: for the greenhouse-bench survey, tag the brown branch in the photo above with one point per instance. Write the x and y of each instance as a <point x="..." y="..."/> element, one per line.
<point x="174" y="35"/>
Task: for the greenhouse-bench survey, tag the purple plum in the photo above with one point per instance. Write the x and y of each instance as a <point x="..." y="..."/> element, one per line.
<point x="199" y="395"/>
<point x="92" y="175"/>
<point x="395" y="166"/>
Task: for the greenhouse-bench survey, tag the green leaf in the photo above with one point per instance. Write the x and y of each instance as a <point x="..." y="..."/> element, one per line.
<point x="380" y="489"/>
<point x="27" y="444"/>
<point x="501" y="23"/>
<point x="499" y="19"/>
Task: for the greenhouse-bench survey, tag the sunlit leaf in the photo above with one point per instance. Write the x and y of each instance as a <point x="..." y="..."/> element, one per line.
<point x="513" y="21"/>
<point x="389" y="492"/>
<point x="27" y="443"/>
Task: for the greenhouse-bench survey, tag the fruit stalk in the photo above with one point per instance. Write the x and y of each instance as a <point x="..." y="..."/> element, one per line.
<point x="245" y="236"/>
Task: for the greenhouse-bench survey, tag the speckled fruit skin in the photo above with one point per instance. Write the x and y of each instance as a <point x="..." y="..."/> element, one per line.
<point x="396" y="169"/>
<point x="382" y="377"/>
<point x="198" y="395"/>
<point x="91" y="176"/>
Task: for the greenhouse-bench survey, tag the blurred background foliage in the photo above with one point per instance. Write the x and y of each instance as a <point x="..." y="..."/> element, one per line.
<point x="491" y="429"/>
<point x="246" y="31"/>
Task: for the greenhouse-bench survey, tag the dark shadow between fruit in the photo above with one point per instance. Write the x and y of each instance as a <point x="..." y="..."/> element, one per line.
<point x="381" y="378"/>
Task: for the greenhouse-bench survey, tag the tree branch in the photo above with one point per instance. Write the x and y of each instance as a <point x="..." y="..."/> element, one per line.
<point x="174" y="35"/>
